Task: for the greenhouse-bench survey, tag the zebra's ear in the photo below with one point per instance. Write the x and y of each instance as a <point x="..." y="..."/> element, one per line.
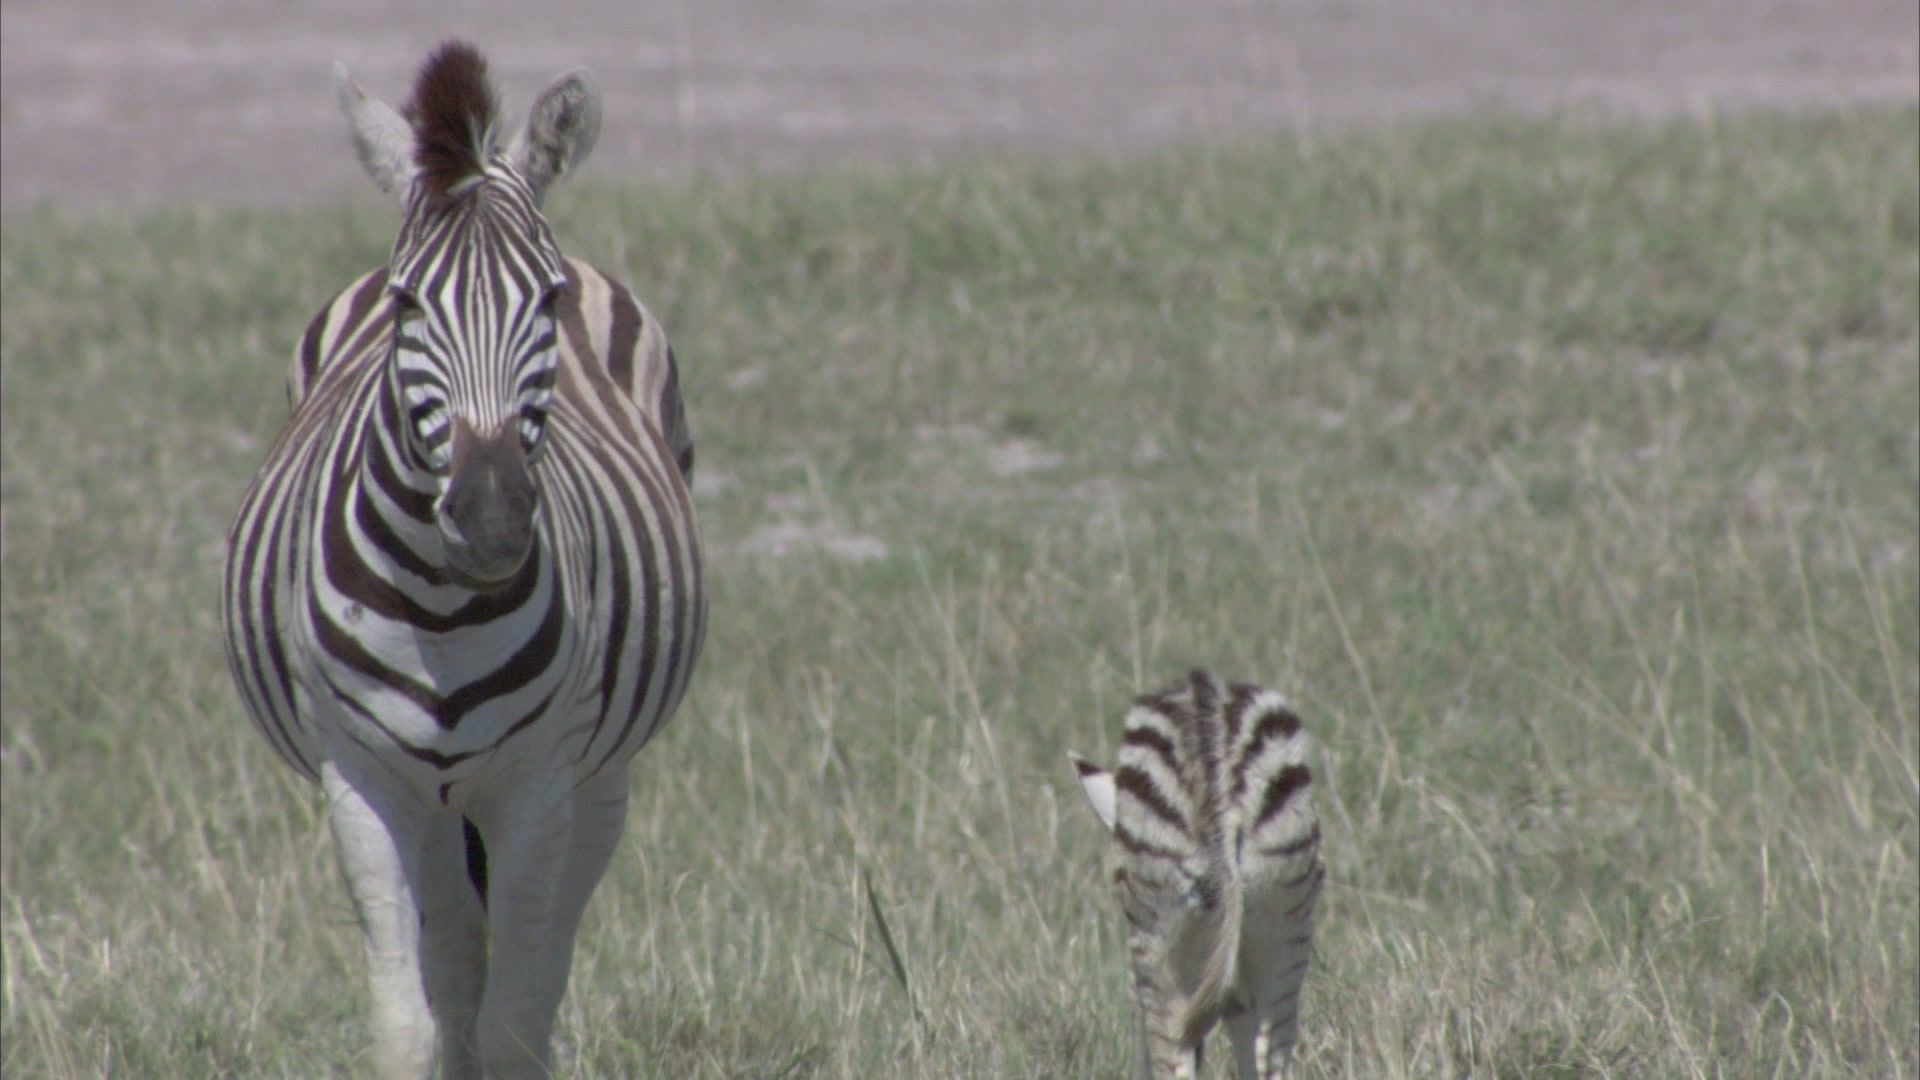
<point x="1098" y="784"/>
<point x="383" y="139"/>
<point x="560" y="133"/>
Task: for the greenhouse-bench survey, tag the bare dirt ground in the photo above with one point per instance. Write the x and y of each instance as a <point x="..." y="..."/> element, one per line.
<point x="118" y="102"/>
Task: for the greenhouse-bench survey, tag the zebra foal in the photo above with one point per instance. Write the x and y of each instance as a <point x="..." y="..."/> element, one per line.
<point x="1216" y="853"/>
<point x="465" y="586"/>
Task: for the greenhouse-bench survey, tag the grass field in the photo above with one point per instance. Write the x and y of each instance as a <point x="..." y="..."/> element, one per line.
<point x="1563" y="473"/>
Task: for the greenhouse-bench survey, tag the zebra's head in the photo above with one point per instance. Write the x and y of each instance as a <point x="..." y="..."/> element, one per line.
<point x="474" y="281"/>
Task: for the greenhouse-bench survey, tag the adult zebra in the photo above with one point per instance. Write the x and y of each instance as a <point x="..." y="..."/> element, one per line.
<point x="465" y="587"/>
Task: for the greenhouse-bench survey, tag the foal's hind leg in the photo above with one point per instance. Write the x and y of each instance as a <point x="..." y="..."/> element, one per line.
<point x="1263" y="1044"/>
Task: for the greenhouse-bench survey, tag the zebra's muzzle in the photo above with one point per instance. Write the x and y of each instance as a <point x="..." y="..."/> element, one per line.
<point x="488" y="510"/>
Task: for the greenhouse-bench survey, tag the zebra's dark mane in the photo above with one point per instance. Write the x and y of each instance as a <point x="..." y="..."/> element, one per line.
<point x="453" y="113"/>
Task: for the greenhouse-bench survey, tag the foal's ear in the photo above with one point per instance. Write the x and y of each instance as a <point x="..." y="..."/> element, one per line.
<point x="1098" y="784"/>
<point x="382" y="138"/>
<point x="561" y="130"/>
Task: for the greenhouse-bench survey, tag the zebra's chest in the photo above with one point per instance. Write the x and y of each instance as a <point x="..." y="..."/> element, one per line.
<point x="451" y="687"/>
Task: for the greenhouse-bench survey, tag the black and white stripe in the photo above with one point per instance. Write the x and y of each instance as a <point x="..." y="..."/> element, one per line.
<point x="335" y="542"/>
<point x="465" y="586"/>
<point x="1216" y="854"/>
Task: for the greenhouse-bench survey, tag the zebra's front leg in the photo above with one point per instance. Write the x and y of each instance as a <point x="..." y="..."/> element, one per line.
<point x="378" y="837"/>
<point x="542" y="869"/>
<point x="453" y="945"/>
